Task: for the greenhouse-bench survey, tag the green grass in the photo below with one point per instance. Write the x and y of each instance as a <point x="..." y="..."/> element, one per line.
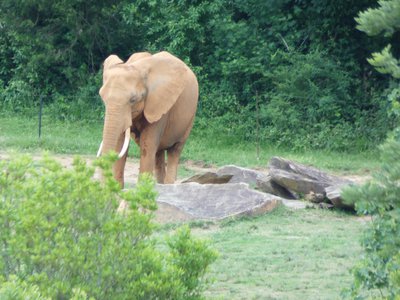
<point x="21" y="134"/>
<point x="222" y="152"/>
<point x="287" y="254"/>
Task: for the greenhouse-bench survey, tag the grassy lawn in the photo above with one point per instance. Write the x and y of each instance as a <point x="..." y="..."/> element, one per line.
<point x="286" y="254"/>
<point x="21" y="134"/>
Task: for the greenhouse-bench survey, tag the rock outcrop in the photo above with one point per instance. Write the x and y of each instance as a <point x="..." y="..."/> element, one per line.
<point x="300" y="178"/>
<point x="233" y="191"/>
<point x="194" y="201"/>
<point x="286" y="179"/>
<point x="333" y="193"/>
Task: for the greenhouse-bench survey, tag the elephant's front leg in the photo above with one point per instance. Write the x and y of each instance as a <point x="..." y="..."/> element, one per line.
<point x="119" y="165"/>
<point x="150" y="139"/>
<point x="148" y="151"/>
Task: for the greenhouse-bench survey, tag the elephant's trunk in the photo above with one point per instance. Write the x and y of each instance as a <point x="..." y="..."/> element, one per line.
<point x="113" y="135"/>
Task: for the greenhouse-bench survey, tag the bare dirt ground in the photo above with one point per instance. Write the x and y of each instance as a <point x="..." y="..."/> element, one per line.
<point x="131" y="167"/>
<point x="190" y="167"/>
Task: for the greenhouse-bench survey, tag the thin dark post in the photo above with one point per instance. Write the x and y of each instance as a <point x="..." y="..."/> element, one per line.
<point x="40" y="115"/>
<point x="257" y="126"/>
<point x="200" y="106"/>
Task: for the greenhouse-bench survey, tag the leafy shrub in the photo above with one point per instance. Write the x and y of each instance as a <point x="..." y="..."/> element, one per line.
<point x="303" y="101"/>
<point x="188" y="255"/>
<point x="14" y="289"/>
<point x="312" y="105"/>
<point x="379" y="270"/>
<point x="18" y="97"/>
<point x="61" y="233"/>
<point x="85" y="104"/>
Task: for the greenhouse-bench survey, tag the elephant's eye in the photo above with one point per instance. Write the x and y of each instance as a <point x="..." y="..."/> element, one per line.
<point x="133" y="99"/>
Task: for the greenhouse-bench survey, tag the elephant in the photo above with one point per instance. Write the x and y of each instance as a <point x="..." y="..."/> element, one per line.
<point x="153" y="100"/>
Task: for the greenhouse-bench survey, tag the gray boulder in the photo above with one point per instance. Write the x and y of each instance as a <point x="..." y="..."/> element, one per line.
<point x="333" y="193"/>
<point x="228" y="174"/>
<point x="239" y="174"/>
<point x="256" y="179"/>
<point x="194" y="201"/>
<point x="235" y="174"/>
<point x="267" y="185"/>
<point x="300" y="178"/>
<point x="316" y="185"/>
<point x="209" y="178"/>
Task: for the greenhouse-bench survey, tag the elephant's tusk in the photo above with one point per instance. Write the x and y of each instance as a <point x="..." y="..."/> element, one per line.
<point x="100" y="148"/>
<point x="126" y="142"/>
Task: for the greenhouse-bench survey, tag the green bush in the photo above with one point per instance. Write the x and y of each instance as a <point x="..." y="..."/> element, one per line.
<point x="61" y="233"/>
<point x="304" y="101"/>
<point x="378" y="273"/>
<point x="18" y="97"/>
<point x="85" y="104"/>
<point x="312" y="104"/>
<point x="14" y="289"/>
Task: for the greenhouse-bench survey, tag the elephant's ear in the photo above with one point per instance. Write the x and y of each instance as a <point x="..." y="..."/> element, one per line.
<point x="137" y="56"/>
<point x="110" y="61"/>
<point x="165" y="77"/>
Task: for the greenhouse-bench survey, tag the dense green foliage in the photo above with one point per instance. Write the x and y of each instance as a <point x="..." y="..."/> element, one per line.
<point x="292" y="73"/>
<point x="15" y="289"/>
<point x="380" y="268"/>
<point x="62" y="237"/>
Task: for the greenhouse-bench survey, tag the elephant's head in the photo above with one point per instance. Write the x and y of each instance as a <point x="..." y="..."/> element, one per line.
<point x="144" y="84"/>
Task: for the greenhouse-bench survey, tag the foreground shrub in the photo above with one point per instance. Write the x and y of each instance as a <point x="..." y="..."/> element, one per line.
<point x="14" y="289"/>
<point x="377" y="275"/>
<point x="63" y="238"/>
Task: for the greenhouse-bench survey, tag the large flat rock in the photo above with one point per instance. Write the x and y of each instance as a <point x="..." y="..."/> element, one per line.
<point x="303" y="179"/>
<point x="209" y="178"/>
<point x="228" y="174"/>
<point x="194" y="201"/>
<point x="234" y="174"/>
<point x="240" y="174"/>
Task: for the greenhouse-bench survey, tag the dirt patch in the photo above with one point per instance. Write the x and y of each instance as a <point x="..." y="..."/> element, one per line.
<point x="131" y="167"/>
<point x="197" y="167"/>
<point x="358" y="179"/>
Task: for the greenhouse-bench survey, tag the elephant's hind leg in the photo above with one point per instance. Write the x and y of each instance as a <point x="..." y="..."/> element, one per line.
<point x="174" y="154"/>
<point x="160" y="166"/>
<point x="173" y="160"/>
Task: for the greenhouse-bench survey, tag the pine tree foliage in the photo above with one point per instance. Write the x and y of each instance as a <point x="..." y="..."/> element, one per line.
<point x="382" y="20"/>
<point x="377" y="274"/>
<point x="385" y="63"/>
